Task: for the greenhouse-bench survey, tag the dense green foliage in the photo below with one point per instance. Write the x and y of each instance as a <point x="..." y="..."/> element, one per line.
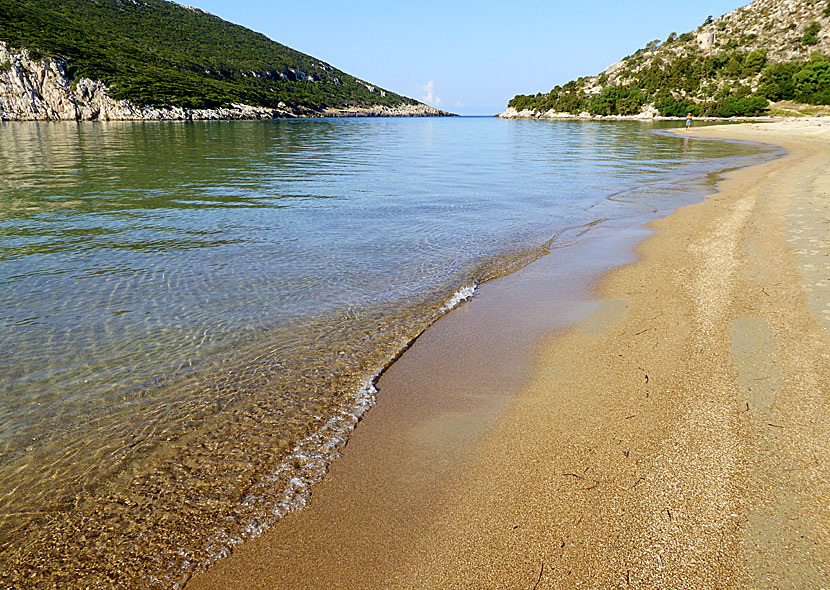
<point x="712" y="85"/>
<point x="740" y="101"/>
<point x="670" y="106"/>
<point x="811" y="34"/>
<point x="731" y="66"/>
<point x="811" y="83"/>
<point x="155" y="52"/>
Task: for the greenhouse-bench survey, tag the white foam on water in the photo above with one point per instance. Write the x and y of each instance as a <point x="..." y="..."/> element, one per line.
<point x="312" y="455"/>
<point x="463" y="294"/>
<point x="308" y="463"/>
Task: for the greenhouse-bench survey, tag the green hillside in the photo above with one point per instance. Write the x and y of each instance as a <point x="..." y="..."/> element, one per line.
<point x="769" y="50"/>
<point x="158" y="53"/>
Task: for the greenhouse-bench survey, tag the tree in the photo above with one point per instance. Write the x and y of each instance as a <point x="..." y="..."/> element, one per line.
<point x="754" y="61"/>
<point x="735" y="66"/>
<point x="812" y="82"/>
<point x="777" y="81"/>
<point x="605" y="103"/>
<point x="737" y="104"/>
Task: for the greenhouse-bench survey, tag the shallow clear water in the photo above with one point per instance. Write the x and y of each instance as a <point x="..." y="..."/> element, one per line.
<point x="190" y="312"/>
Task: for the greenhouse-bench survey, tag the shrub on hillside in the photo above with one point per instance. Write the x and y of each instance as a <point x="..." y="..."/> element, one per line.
<point x="735" y="66"/>
<point x="811" y="33"/>
<point x="812" y="83"/>
<point x="673" y="107"/>
<point x="805" y="82"/>
<point x="777" y="81"/>
<point x="617" y="100"/>
<point x="521" y="102"/>
<point x="738" y="102"/>
<point x="754" y="62"/>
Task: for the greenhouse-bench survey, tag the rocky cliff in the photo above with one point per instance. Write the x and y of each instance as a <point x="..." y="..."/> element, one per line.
<point x="41" y="89"/>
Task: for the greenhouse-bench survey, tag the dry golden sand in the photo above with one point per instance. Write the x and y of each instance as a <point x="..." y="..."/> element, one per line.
<point x="678" y="437"/>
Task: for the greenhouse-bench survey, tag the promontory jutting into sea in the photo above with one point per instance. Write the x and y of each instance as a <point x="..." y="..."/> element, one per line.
<point x="211" y="251"/>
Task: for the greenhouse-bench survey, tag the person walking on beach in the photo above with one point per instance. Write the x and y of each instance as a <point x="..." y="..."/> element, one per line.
<point x="688" y="121"/>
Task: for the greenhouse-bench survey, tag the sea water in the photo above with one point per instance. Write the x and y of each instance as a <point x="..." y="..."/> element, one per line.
<point x="193" y="315"/>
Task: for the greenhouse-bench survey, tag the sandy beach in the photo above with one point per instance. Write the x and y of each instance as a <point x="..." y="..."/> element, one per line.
<point x="674" y="436"/>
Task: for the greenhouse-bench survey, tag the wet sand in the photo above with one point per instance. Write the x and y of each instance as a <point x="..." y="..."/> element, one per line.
<point x="676" y="436"/>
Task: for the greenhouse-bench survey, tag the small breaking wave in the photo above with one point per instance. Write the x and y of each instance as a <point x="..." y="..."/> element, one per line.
<point x="306" y="464"/>
<point x="463" y="294"/>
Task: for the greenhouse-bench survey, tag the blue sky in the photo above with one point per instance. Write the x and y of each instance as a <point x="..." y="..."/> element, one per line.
<point x="468" y="57"/>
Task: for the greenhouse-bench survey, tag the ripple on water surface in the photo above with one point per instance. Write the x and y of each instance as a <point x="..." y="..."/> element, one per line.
<point x="192" y="315"/>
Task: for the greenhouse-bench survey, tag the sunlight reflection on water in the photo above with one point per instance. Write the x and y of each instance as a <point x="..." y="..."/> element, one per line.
<point x="183" y="303"/>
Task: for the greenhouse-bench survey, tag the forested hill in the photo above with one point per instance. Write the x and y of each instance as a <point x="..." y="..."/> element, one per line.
<point x="159" y="53"/>
<point x="738" y="64"/>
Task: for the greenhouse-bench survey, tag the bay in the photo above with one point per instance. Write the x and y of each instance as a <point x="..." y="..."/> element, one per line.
<point x="192" y="315"/>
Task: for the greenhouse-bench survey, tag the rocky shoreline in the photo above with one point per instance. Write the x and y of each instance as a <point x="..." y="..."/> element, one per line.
<point x="649" y="114"/>
<point x="41" y="90"/>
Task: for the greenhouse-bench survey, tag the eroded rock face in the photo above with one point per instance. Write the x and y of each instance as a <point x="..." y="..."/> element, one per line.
<point x="41" y="90"/>
<point x="33" y="89"/>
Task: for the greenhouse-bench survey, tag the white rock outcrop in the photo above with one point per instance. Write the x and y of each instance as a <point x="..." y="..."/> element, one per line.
<point x="404" y="110"/>
<point x="648" y="112"/>
<point x="41" y="90"/>
<point x="34" y="89"/>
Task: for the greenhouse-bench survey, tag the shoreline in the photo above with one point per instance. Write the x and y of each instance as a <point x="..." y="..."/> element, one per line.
<point x="236" y="112"/>
<point x="680" y="444"/>
<point x="529" y="114"/>
<point x="426" y="425"/>
<point x="262" y="492"/>
<point x="453" y="554"/>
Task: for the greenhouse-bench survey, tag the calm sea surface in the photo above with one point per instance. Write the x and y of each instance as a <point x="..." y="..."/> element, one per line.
<point x="192" y="315"/>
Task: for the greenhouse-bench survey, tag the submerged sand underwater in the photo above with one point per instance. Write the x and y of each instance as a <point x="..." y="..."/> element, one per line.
<point x="193" y="314"/>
